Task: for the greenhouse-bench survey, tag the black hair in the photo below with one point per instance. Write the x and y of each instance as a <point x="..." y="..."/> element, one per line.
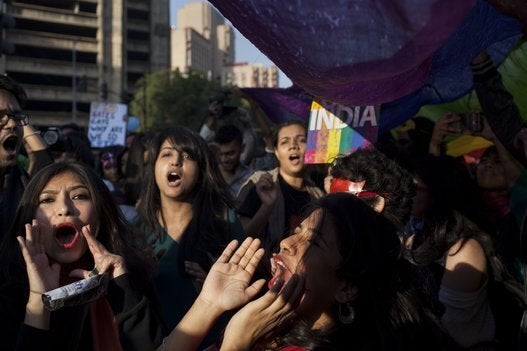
<point x="383" y="176"/>
<point x="135" y="167"/>
<point x="421" y="134"/>
<point x="454" y="195"/>
<point x="111" y="228"/>
<point x="228" y="133"/>
<point x="457" y="215"/>
<point x="210" y="201"/>
<point x="73" y="126"/>
<point x="389" y="313"/>
<point x="10" y="85"/>
<point x="281" y="126"/>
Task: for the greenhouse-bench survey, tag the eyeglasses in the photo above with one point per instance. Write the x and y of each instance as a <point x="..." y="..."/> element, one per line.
<point x="21" y="119"/>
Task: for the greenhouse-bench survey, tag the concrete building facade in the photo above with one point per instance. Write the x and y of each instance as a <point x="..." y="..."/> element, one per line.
<point x="70" y="53"/>
<point x="201" y="41"/>
<point x="250" y="75"/>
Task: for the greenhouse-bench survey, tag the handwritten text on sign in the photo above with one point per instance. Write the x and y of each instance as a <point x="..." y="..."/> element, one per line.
<point x="107" y="124"/>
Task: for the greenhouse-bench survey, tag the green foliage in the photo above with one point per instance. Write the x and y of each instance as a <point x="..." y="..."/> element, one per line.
<point x="167" y="98"/>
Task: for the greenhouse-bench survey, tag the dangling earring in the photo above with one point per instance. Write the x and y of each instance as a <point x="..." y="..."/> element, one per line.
<point x="346" y="313"/>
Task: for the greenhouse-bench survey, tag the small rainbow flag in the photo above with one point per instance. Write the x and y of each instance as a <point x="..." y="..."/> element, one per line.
<point x="336" y="129"/>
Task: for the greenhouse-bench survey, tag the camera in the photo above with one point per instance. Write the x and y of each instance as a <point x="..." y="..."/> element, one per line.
<point x="56" y="140"/>
<point x="471" y="122"/>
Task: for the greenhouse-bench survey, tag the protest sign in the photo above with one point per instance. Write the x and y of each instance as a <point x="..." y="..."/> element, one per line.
<point x="107" y="124"/>
<point x="336" y="129"/>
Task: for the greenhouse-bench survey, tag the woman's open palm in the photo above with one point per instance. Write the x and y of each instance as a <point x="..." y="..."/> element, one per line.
<point x="228" y="283"/>
<point x="42" y="276"/>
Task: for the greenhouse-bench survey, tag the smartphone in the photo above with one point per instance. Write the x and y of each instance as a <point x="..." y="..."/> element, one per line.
<point x="472" y="122"/>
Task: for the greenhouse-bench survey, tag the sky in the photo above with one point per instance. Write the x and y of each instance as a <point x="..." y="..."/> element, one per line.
<point x="245" y="51"/>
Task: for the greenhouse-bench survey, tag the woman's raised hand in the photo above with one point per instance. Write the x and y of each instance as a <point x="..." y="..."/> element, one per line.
<point x="267" y="189"/>
<point x="227" y="286"/>
<point x="42" y="276"/>
<point x="105" y="261"/>
<point x="448" y="124"/>
<point x="264" y="317"/>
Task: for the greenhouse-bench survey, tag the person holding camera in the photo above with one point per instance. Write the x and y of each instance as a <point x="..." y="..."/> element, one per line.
<point x="453" y="124"/>
<point x="215" y="110"/>
<point x="220" y="114"/>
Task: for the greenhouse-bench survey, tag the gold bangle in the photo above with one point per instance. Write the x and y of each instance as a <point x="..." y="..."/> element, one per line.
<point x="31" y="134"/>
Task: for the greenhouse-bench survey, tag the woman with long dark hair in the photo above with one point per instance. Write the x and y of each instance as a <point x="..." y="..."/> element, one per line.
<point x="339" y="283"/>
<point x="66" y="226"/>
<point x="186" y="214"/>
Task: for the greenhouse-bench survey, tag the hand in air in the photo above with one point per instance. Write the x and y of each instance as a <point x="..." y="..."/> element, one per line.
<point x="104" y="260"/>
<point x="42" y="276"/>
<point x="267" y="189"/>
<point x="227" y="286"/>
<point x="448" y="124"/>
<point x="264" y="317"/>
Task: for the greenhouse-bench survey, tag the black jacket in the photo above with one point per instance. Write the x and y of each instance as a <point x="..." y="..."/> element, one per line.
<point x="140" y="328"/>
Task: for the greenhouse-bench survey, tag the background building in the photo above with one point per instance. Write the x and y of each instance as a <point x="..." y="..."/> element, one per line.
<point x="70" y="53"/>
<point x="201" y="41"/>
<point x="250" y="75"/>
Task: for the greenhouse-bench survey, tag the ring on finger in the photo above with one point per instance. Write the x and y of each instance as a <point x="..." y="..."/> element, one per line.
<point x="93" y="272"/>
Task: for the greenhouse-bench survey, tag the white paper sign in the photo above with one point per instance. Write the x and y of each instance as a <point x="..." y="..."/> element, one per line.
<point x="107" y="124"/>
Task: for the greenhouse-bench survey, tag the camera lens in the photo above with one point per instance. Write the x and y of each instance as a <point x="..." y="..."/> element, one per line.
<point x="51" y="137"/>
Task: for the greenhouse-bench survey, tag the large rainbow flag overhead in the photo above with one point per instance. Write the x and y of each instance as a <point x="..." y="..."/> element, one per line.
<point x="402" y="54"/>
<point x="335" y="129"/>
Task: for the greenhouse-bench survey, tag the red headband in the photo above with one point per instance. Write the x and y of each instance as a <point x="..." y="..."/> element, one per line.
<point x="344" y="185"/>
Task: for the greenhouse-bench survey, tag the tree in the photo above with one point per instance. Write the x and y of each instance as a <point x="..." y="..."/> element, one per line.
<point x="164" y="99"/>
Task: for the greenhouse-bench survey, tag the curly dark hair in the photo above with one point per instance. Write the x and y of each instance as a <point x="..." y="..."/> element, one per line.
<point x="382" y="175"/>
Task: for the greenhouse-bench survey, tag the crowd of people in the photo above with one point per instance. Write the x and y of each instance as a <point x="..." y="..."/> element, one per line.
<point x="216" y="240"/>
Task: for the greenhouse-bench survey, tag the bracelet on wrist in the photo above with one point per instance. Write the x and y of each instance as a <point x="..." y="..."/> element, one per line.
<point x="31" y="134"/>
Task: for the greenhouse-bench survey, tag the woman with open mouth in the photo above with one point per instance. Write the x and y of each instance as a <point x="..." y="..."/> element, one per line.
<point x="66" y="229"/>
<point x="272" y="201"/>
<point x="339" y="283"/>
<point x="187" y="216"/>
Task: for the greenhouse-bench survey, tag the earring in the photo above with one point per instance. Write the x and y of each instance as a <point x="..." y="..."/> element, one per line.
<point x="346" y="313"/>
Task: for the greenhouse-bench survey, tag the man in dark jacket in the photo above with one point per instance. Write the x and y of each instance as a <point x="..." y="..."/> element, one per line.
<point x="15" y="130"/>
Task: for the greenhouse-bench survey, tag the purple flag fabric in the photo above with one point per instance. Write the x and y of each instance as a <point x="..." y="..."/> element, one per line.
<point x="399" y="53"/>
<point x="281" y="105"/>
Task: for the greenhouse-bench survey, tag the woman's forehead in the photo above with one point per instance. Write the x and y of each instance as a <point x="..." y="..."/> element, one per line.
<point x="65" y="175"/>
<point x="291" y="129"/>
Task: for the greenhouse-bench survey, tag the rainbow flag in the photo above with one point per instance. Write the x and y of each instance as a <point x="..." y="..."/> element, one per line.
<point x="335" y="129"/>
